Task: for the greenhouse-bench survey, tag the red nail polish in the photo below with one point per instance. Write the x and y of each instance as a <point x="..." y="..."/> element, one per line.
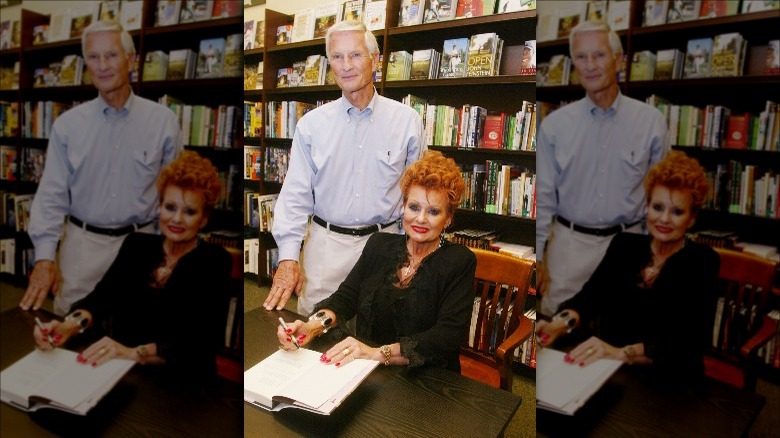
<point x="44" y="331"/>
<point x="582" y="364"/>
<point x="338" y="363"/>
<point x="327" y="360"/>
<point x="289" y="339"/>
<point x="288" y="331"/>
<point x="301" y="337"/>
<point x="94" y="364"/>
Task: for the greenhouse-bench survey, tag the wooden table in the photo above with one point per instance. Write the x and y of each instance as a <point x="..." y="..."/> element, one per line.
<point x="141" y="404"/>
<point x="390" y="402"/>
<point x="631" y="404"/>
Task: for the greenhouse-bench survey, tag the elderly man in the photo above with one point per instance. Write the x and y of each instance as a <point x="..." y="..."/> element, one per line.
<point x="102" y="162"/>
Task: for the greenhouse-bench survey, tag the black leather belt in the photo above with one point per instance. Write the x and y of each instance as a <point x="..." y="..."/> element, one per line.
<point x="351" y="231"/>
<point x="106" y="231"/>
<point x="594" y="231"/>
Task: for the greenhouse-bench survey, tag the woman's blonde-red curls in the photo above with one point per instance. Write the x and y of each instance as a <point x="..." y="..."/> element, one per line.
<point x="190" y="171"/>
<point x="434" y="171"/>
<point x="679" y="172"/>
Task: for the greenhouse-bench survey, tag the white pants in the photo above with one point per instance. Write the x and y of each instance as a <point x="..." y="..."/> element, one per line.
<point x="84" y="258"/>
<point x="571" y="259"/>
<point x="327" y="258"/>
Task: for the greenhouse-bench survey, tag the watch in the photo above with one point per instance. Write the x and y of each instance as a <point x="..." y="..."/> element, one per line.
<point x="323" y="319"/>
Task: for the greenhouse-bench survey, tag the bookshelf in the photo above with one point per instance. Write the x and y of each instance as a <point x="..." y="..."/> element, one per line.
<point x="211" y="92"/>
<point x="743" y="93"/>
<point x="502" y="93"/>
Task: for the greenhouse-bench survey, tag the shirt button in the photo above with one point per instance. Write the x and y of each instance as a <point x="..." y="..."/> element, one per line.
<point x="360" y="146"/>
<point x="357" y="195"/>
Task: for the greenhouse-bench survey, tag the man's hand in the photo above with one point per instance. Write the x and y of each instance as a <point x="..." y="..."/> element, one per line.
<point x="287" y="279"/>
<point x="44" y="279"/>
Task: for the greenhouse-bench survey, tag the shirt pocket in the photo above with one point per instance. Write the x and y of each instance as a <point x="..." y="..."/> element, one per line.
<point x="633" y="166"/>
<point x="390" y="163"/>
<point x="146" y="167"/>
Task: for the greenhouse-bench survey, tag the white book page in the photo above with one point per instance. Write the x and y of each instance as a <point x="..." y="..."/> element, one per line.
<point x="559" y="383"/>
<point x="324" y="381"/>
<point x="266" y="379"/>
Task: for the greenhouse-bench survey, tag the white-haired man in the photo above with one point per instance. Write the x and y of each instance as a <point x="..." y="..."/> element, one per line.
<point x="102" y="162"/>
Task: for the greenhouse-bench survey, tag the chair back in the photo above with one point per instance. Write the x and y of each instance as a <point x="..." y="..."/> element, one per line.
<point x="740" y="325"/>
<point x="498" y="326"/>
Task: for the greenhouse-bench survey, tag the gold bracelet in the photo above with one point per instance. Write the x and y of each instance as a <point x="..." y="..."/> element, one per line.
<point x="385" y="350"/>
<point x="630" y="352"/>
<point x="142" y="353"/>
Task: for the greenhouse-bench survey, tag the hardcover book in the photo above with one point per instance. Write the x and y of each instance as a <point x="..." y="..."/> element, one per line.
<point x="376" y="14"/>
<point x="772" y="58"/>
<point x="307" y="383"/>
<point x="482" y="52"/>
<point x="181" y="65"/>
<point x="440" y="10"/>
<point x="167" y="12"/>
<point x="109" y="10"/>
<point x="233" y="56"/>
<point x="303" y="25"/>
<point x="259" y="34"/>
<point x="196" y="10"/>
<point x="40" y="34"/>
<point x="505" y="6"/>
<point x="70" y="70"/>
<point x="642" y="66"/>
<point x="454" y="54"/>
<point x="325" y="17"/>
<point x="618" y="14"/>
<point x="250" y="77"/>
<point x="314" y="73"/>
<point x="697" y="58"/>
<point x="749" y="6"/>
<point x="726" y="55"/>
<point x="528" y="60"/>
<point x="226" y="8"/>
<point x="352" y="10"/>
<point x="655" y="12"/>
<point x="283" y="77"/>
<point x="210" y="58"/>
<point x="249" y="34"/>
<point x="718" y="8"/>
<point x="155" y="66"/>
<point x="59" y="26"/>
<point x="81" y="17"/>
<point x="683" y="10"/>
<point x="474" y="8"/>
<point x="421" y="64"/>
<point x="54" y="379"/>
<point x="411" y="12"/>
<point x="130" y="14"/>
<point x="399" y="65"/>
<point x="295" y="78"/>
<point x="284" y="34"/>
<point x="668" y="64"/>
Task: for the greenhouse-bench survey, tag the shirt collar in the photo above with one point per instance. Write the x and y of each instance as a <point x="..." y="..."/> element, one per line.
<point x="106" y="110"/>
<point x="595" y="110"/>
<point x="350" y="109"/>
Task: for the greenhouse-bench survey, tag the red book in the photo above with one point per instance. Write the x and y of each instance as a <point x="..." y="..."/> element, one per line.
<point x="494" y="131"/>
<point x="736" y="138"/>
<point x="226" y="8"/>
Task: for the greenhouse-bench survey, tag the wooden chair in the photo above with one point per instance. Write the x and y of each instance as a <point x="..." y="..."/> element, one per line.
<point x="499" y="279"/>
<point x="745" y="283"/>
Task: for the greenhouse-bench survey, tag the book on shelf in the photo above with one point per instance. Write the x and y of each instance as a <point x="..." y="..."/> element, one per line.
<point x="772" y="58"/>
<point x="59" y="25"/>
<point x="55" y="379"/>
<point x="728" y="55"/>
<point x="440" y="10"/>
<point x="283" y="77"/>
<point x="683" y="10"/>
<point x="71" y="69"/>
<point x="474" y="8"/>
<point x="505" y="6"/>
<point x="8" y="163"/>
<point x="411" y="12"/>
<point x="249" y="34"/>
<point x="618" y="14"/>
<point x="22" y="204"/>
<point x="167" y="12"/>
<point x="558" y="71"/>
<point x="210" y="58"/>
<point x="454" y="55"/>
<point x="306" y="383"/>
<point x="5" y="34"/>
<point x="81" y="17"/>
<point x="563" y="388"/>
<point x="31" y="164"/>
<point x="718" y="8"/>
<point x="234" y="57"/>
<point x="295" y="78"/>
<point x="181" y="65"/>
<point x="597" y="10"/>
<point x="303" y="25"/>
<point x="351" y="10"/>
<point x="259" y="34"/>
<point x="325" y="16"/>
<point x="399" y="67"/>
<point x="668" y="64"/>
<point x="276" y="163"/>
<point x="643" y="66"/>
<point x="697" y="58"/>
<point x="8" y="255"/>
<point x="424" y="64"/>
<point x="40" y="34"/>
<point x="749" y="6"/>
<point x="226" y="8"/>
<point x="655" y="12"/>
<point x="481" y="59"/>
<point x="250" y="77"/>
<point x="253" y="163"/>
<point x="195" y="10"/>
<point x="568" y="15"/>
<point x="155" y="65"/>
<point x="284" y="34"/>
<point x="375" y="14"/>
<point x="528" y="58"/>
<point x="314" y="71"/>
<point x="109" y="10"/>
<point x="130" y="14"/>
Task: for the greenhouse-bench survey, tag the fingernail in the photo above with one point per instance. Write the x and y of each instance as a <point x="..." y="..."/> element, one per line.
<point x="94" y="364"/>
<point x="301" y="337"/>
<point x="582" y="364"/>
<point x="289" y="339"/>
<point x="338" y="363"/>
<point x="44" y="331"/>
<point x="288" y="331"/>
<point x="327" y="360"/>
<point x="279" y="308"/>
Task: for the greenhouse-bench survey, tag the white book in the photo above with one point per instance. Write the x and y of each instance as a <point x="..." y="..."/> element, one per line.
<point x="54" y="379"/>
<point x="130" y="14"/>
<point x="564" y="388"/>
<point x="59" y="25"/>
<point x="297" y="379"/>
<point x="303" y="25"/>
<point x="375" y="15"/>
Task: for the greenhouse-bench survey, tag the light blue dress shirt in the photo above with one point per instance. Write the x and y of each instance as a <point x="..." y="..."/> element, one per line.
<point x="591" y="163"/>
<point x="345" y="167"/>
<point x="101" y="167"/>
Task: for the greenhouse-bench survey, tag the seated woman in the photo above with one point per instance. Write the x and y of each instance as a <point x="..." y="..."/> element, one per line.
<point x="162" y="301"/>
<point x="650" y="299"/>
<point x="412" y="293"/>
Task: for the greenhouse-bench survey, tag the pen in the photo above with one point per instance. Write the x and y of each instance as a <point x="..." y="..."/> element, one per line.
<point x="40" y="326"/>
<point x="284" y="326"/>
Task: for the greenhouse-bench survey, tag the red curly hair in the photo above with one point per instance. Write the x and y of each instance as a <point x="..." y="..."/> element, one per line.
<point x="434" y="171"/>
<point x="190" y="171"/>
<point x="679" y="172"/>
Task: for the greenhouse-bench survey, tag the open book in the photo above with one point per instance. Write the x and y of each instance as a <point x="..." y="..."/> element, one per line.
<point x="297" y="379"/>
<point x="54" y="379"/>
<point x="562" y="387"/>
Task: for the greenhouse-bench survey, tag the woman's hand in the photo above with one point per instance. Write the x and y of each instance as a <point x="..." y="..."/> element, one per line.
<point x="299" y="330"/>
<point x="548" y="331"/>
<point x="348" y="350"/>
<point x="104" y="350"/>
<point x="59" y="332"/>
<point x="592" y="350"/>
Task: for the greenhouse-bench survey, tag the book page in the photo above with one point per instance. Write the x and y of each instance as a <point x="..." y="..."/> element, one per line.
<point x="565" y="386"/>
<point x="264" y="380"/>
<point x="324" y="381"/>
